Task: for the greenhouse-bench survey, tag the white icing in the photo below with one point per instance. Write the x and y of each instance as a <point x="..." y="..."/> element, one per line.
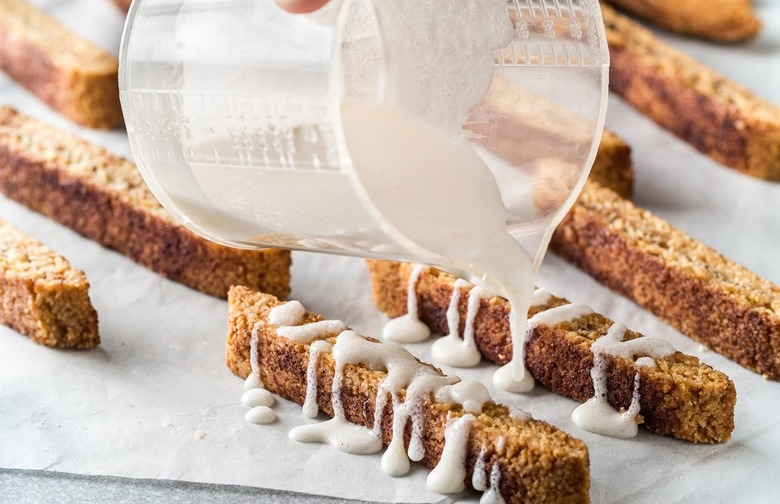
<point x="257" y="397"/>
<point x="479" y="475"/>
<point x="449" y="475"/>
<point x="253" y="381"/>
<point x="596" y="414"/>
<point x="288" y="314"/>
<point x="310" y="332"/>
<point x="260" y="415"/>
<point x="540" y="297"/>
<point x="453" y="350"/>
<point x="408" y="328"/>
<point x="253" y="350"/>
<point x="493" y="495"/>
<point x="518" y="414"/>
<point x="310" y="408"/>
<point x="339" y="433"/>
<point x="472" y="395"/>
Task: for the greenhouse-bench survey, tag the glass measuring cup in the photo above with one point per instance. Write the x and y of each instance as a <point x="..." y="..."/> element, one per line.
<point x="240" y="117"/>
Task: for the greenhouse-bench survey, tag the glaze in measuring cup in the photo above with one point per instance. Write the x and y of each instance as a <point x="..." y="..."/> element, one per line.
<point x="234" y="111"/>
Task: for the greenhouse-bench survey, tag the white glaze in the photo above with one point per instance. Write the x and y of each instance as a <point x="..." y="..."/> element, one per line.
<point x="493" y="495"/>
<point x="253" y="381"/>
<point x="257" y="397"/>
<point x="596" y="414"/>
<point x="260" y="415"/>
<point x="449" y="475"/>
<point x="310" y="408"/>
<point x="253" y="350"/>
<point x="540" y="297"/>
<point x="310" y="332"/>
<point x="453" y="350"/>
<point x="472" y="395"/>
<point x="339" y="433"/>
<point x="479" y="475"/>
<point x="290" y="313"/>
<point x="408" y="328"/>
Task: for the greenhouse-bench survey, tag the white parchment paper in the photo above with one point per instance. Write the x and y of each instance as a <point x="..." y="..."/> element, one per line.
<point x="155" y="400"/>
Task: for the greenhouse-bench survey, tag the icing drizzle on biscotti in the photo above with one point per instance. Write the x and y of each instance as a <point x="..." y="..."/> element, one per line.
<point x="406" y="385"/>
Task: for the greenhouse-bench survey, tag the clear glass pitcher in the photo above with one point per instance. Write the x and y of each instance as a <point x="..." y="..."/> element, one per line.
<point x="256" y="127"/>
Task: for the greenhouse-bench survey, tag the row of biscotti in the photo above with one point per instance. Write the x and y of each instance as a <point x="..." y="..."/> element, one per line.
<point x="103" y="197"/>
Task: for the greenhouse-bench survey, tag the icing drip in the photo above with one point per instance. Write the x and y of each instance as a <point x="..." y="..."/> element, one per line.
<point x="540" y="297"/>
<point x="260" y="415"/>
<point x="493" y="495"/>
<point x="253" y="381"/>
<point x="479" y="476"/>
<point x="253" y="350"/>
<point x="449" y="474"/>
<point x="339" y="433"/>
<point x="472" y="395"/>
<point x="290" y="313"/>
<point x="310" y="332"/>
<point x="408" y="328"/>
<point x="451" y="349"/>
<point x="506" y="376"/>
<point x="257" y="397"/>
<point x="596" y="414"/>
<point x="310" y="408"/>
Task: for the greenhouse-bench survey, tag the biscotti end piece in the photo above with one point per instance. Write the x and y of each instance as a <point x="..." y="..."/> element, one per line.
<point x="42" y="295"/>
<point x="103" y="197"/>
<point x="716" y="116"/>
<point x="613" y="167"/>
<point x="680" y="397"/>
<point x="704" y="295"/>
<point x="69" y="73"/>
<point x="537" y="462"/>
<point x="718" y="20"/>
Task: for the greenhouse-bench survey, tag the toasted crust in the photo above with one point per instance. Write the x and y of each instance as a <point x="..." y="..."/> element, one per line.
<point x="538" y="462"/>
<point x="69" y="73"/>
<point x="104" y="198"/>
<point x="703" y="294"/>
<point x="42" y="295"/>
<point x="716" y="116"/>
<point x="720" y="20"/>
<point x="613" y="167"/>
<point x="681" y="397"/>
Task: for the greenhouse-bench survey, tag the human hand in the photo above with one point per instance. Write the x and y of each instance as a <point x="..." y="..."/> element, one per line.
<point x="301" y="6"/>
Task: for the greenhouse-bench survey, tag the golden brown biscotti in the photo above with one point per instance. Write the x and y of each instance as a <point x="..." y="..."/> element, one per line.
<point x="123" y="4"/>
<point x="104" y="198"/>
<point x="538" y="463"/>
<point x="680" y="397"/>
<point x="706" y="296"/>
<point x="719" y="20"/>
<point x="716" y="116"/>
<point x="42" y="295"/>
<point x="613" y="167"/>
<point x="69" y="73"/>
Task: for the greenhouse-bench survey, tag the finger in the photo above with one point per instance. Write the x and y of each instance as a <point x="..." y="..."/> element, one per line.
<point x="301" y="6"/>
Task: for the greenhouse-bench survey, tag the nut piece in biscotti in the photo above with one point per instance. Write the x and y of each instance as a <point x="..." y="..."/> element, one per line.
<point x="537" y="462"/>
<point x="104" y="198"/>
<point x="69" y="73"/>
<point x="719" y="20"/>
<point x="716" y="116"/>
<point x="680" y="396"/>
<point x="42" y="295"/>
<point x="706" y="296"/>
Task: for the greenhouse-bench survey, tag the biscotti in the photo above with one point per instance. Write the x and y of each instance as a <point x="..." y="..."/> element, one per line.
<point x="42" y="296"/>
<point x="716" y="116"/>
<point x="719" y="20"/>
<point x="680" y="396"/>
<point x="69" y="73"/>
<point x="535" y="461"/>
<point x="613" y="167"/>
<point x="706" y="296"/>
<point x="104" y="198"/>
<point x="123" y="4"/>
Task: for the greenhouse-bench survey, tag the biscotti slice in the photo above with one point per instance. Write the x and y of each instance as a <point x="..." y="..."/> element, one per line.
<point x="104" y="198"/>
<point x="69" y="73"/>
<point x="42" y="296"/>
<point x="678" y="396"/>
<point x="718" y="117"/>
<point x="719" y="20"/>
<point x="528" y="460"/>
<point x="706" y="296"/>
<point x="613" y="167"/>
